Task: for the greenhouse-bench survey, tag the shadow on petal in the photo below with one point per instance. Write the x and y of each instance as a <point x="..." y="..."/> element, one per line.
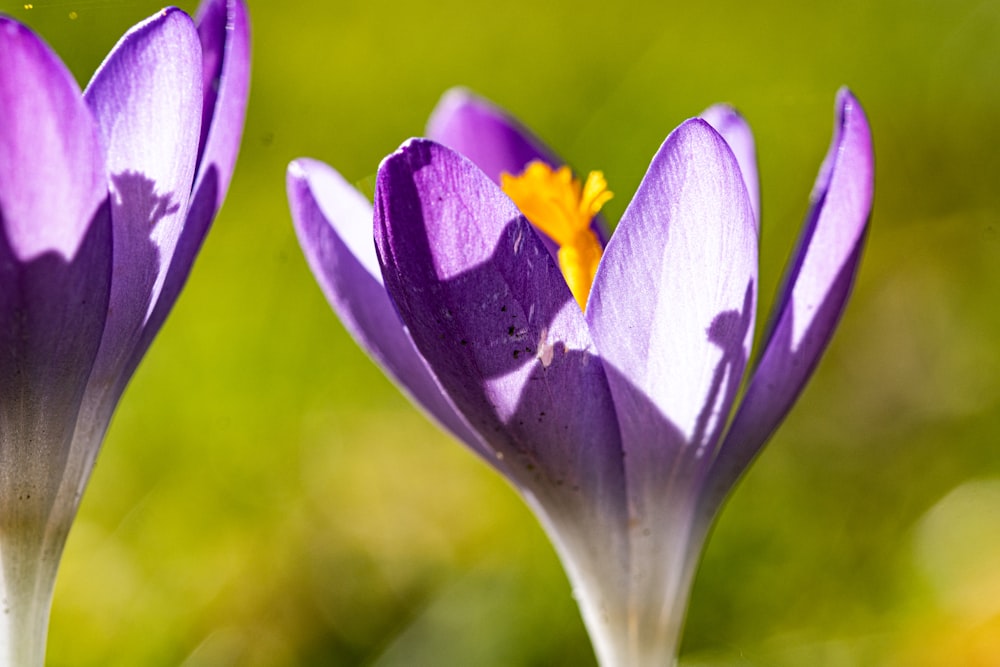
<point x="201" y="211"/>
<point x="768" y="397"/>
<point x="728" y="331"/>
<point x="137" y="269"/>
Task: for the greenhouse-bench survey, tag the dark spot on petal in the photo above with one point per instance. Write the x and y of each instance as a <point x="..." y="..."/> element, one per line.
<point x="517" y="353"/>
<point x="510" y="331"/>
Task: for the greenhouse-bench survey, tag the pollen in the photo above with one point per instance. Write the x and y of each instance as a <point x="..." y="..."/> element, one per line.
<point x="562" y="208"/>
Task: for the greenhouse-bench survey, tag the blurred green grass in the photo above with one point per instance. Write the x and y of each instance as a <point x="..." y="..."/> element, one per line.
<point x="266" y="497"/>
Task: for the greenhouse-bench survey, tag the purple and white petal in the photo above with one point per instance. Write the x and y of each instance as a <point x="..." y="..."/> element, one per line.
<point x="672" y="315"/>
<point x="814" y="293"/>
<point x="334" y="225"/>
<point x="55" y="269"/>
<point x="735" y="130"/>
<point x="147" y="99"/>
<point x="491" y="314"/>
<point x="672" y="307"/>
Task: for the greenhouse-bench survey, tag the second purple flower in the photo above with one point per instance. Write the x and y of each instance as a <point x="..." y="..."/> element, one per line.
<point x="598" y="374"/>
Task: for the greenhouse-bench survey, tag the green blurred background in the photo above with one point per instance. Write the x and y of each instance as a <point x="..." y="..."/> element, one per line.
<point x="266" y="497"/>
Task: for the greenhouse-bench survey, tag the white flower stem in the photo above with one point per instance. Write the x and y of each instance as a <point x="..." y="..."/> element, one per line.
<point x="648" y="635"/>
<point x="635" y="612"/>
<point x="27" y="579"/>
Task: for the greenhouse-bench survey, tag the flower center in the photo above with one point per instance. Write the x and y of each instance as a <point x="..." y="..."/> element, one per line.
<point x="562" y="209"/>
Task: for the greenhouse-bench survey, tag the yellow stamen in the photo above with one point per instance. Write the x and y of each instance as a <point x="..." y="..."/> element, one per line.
<point x="558" y="206"/>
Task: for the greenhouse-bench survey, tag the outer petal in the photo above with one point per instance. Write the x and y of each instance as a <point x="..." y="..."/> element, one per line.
<point x="671" y="313"/>
<point x="334" y="225"/>
<point x="735" y="130"/>
<point x="493" y="139"/>
<point x="147" y="99"/>
<point x="493" y="317"/>
<point x="814" y="293"/>
<point x="672" y="304"/>
<point x="55" y="264"/>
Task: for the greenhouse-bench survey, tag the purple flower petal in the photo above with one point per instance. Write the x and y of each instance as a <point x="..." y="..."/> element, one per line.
<point x="673" y="301"/>
<point x="491" y="314"/>
<point x="52" y="178"/>
<point x="224" y="30"/>
<point x="147" y="99"/>
<point x="814" y="293"/>
<point x="55" y="266"/>
<point x="735" y="130"/>
<point x="334" y="225"/>
<point x="138" y="97"/>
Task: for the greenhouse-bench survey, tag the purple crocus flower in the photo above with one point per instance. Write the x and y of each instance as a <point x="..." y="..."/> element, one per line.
<point x="615" y="413"/>
<point x="105" y="199"/>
